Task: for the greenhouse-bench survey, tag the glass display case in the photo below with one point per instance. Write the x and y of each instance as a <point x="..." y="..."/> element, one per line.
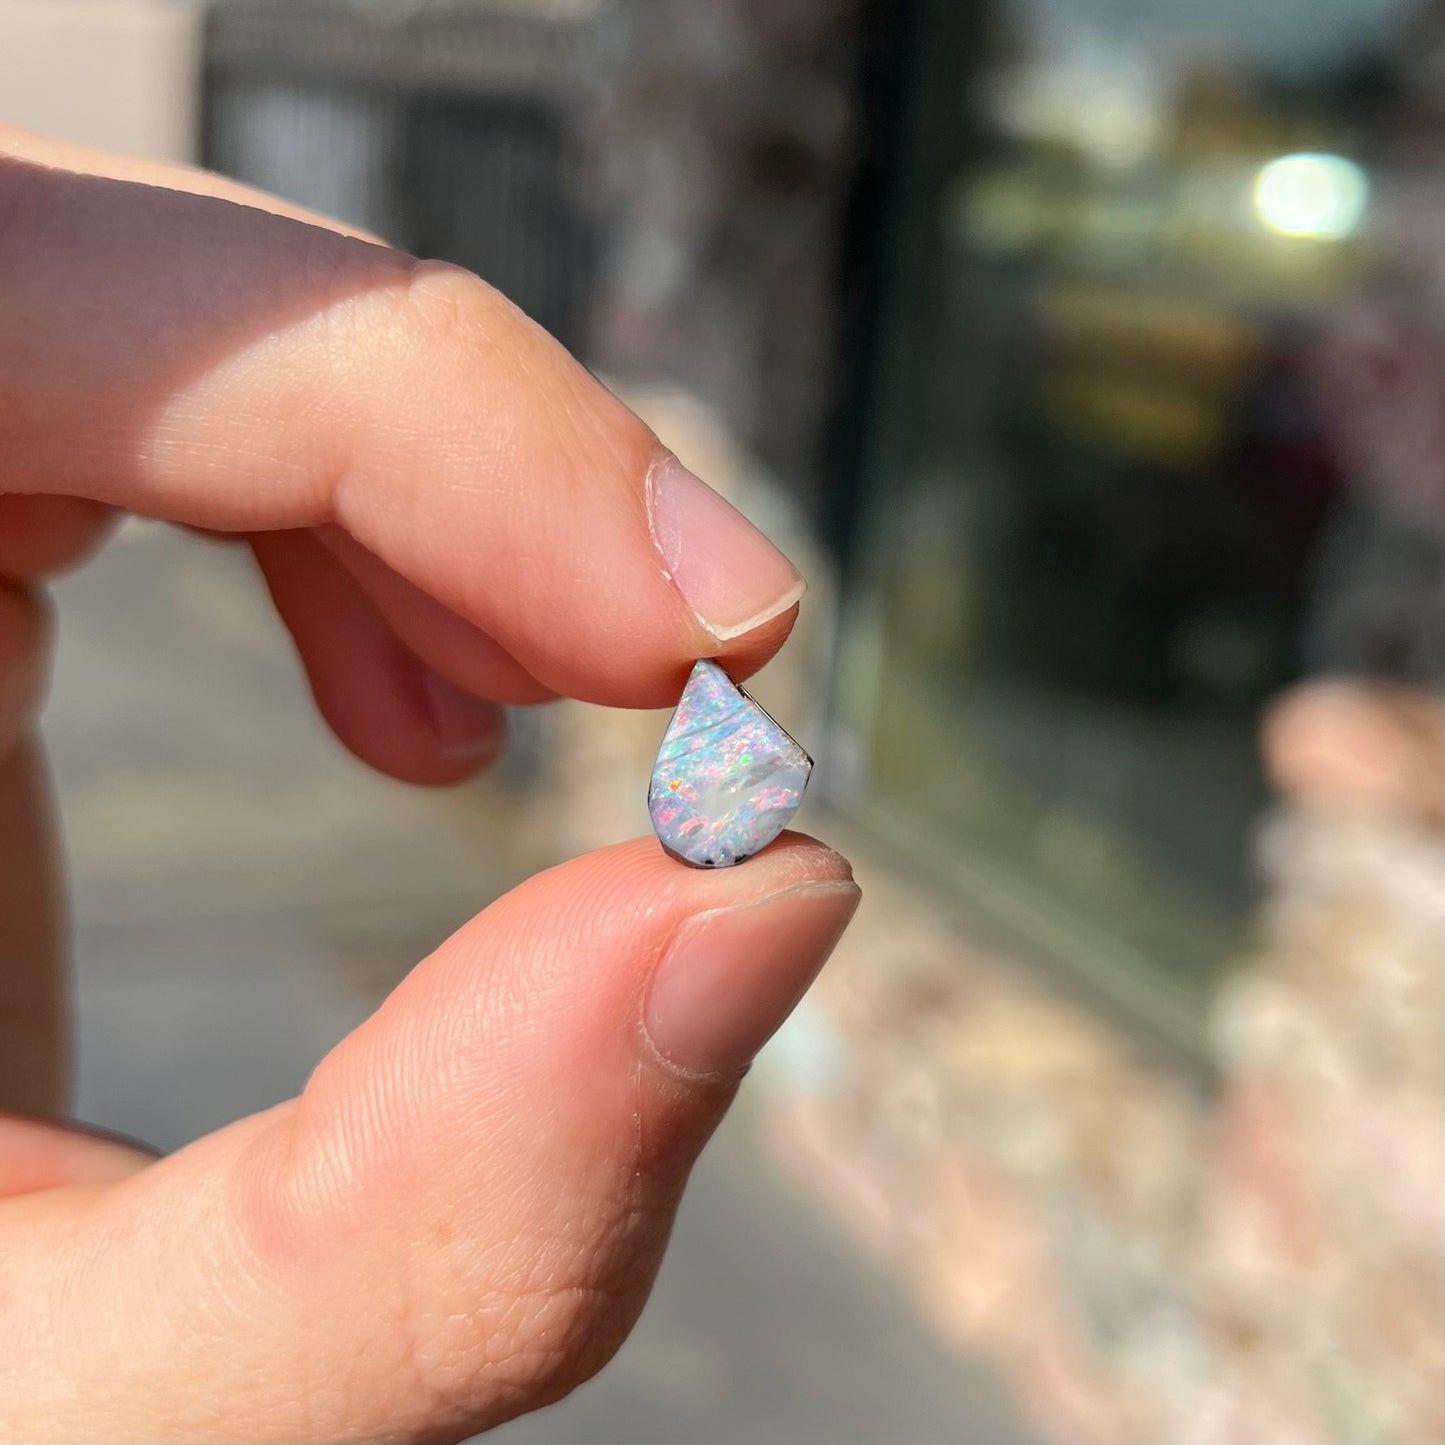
<point x="1151" y="433"/>
<point x="1137" y="1044"/>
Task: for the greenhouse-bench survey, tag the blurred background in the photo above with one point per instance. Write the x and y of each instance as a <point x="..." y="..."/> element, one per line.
<point x="1091" y="356"/>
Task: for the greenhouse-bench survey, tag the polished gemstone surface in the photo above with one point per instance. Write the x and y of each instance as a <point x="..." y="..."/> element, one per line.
<point x="727" y="779"/>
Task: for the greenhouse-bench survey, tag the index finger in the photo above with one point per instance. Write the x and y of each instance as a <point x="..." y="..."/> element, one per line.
<point x="186" y="356"/>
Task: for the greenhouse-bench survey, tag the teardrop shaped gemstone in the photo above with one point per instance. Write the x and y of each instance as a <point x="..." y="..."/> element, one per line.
<point x="727" y="778"/>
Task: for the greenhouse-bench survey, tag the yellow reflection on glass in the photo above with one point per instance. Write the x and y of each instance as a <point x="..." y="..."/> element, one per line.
<point x="1316" y="195"/>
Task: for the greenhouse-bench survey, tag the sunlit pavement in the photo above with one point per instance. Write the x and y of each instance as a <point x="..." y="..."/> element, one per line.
<point x="245" y="894"/>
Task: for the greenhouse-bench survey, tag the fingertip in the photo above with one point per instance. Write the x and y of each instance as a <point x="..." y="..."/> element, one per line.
<point x="730" y="976"/>
<point x="405" y="721"/>
<point x="732" y="578"/>
<point x="792" y="860"/>
<point x="25" y="645"/>
<point x="469" y="730"/>
<point x="639" y="875"/>
<point x="813" y="858"/>
<point x="380" y="700"/>
<point x="38" y="1154"/>
<point x="43" y="535"/>
<point x="752" y="651"/>
<point x="441" y="638"/>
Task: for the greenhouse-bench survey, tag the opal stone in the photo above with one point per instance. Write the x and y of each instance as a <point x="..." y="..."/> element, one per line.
<point x="727" y="779"/>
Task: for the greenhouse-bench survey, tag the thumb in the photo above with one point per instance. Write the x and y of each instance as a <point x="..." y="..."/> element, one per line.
<point x="461" y="1216"/>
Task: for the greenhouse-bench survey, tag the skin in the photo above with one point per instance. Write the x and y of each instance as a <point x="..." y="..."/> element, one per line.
<point x="460" y="1217"/>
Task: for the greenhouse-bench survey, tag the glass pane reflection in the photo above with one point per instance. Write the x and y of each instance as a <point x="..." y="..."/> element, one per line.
<point x="1161" y="440"/>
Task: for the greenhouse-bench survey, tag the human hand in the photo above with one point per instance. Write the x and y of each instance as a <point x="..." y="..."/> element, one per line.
<point x="460" y="1217"/>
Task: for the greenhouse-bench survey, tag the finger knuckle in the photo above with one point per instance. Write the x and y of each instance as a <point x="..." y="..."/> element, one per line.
<point x="450" y="311"/>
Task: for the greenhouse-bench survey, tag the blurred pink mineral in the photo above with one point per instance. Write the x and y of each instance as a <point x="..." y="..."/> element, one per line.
<point x="727" y="778"/>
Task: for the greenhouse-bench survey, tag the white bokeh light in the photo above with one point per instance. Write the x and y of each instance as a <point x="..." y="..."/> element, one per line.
<point x="1308" y="194"/>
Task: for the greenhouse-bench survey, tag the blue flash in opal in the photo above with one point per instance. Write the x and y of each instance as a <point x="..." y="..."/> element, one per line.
<point x="728" y="779"/>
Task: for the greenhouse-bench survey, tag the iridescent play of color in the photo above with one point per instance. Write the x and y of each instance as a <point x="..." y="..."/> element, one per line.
<point x="727" y="779"/>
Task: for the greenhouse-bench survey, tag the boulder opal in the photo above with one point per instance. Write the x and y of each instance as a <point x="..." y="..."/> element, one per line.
<point x="727" y="779"/>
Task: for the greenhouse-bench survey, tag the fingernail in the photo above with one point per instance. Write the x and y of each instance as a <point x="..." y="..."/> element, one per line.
<point x="730" y="977"/>
<point x="729" y="574"/>
<point x="466" y="726"/>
